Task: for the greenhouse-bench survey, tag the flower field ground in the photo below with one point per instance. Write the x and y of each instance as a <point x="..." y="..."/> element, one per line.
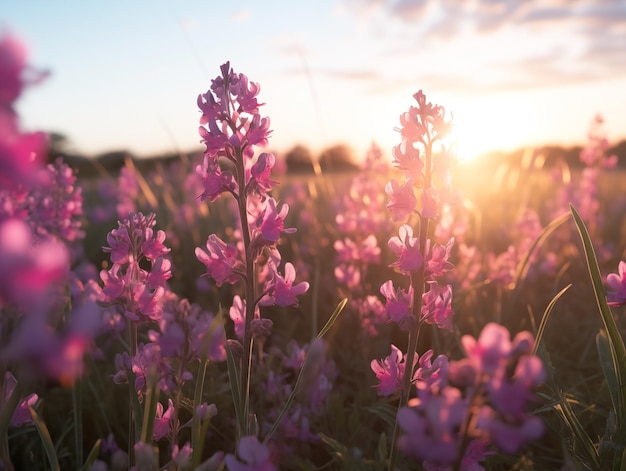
<point x="217" y="312"/>
<point x="353" y="415"/>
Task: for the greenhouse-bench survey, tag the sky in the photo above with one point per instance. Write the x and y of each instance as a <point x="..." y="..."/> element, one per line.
<point x="126" y="75"/>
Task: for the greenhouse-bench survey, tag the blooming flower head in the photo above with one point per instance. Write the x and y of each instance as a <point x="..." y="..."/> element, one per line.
<point x="407" y="249"/>
<point x="437" y="305"/>
<point x="616" y="296"/>
<point x="253" y="456"/>
<point x="402" y="199"/>
<point x="399" y="304"/>
<point x="272" y="223"/>
<point x="281" y="291"/>
<point x="221" y="260"/>
<point x="163" y="420"/>
<point x="431" y="427"/>
<point x="390" y="371"/>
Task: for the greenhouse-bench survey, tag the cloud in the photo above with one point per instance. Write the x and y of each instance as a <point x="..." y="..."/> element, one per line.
<point x="241" y="16"/>
<point x="516" y="43"/>
<point x="349" y="75"/>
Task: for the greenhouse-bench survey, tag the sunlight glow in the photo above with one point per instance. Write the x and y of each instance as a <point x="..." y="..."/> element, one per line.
<point x="491" y="123"/>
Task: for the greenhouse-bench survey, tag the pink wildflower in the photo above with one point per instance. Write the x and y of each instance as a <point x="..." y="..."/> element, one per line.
<point x="431" y="426"/>
<point x="280" y="290"/>
<point x="237" y="314"/>
<point x="617" y="283"/>
<point x="437" y="305"/>
<point x="221" y="260"/>
<point x="402" y="199"/>
<point x="399" y="304"/>
<point x="254" y="456"/>
<point x="437" y="259"/>
<point x="389" y="372"/>
<point x="163" y="420"/>
<point x="407" y="158"/>
<point x="261" y="172"/>
<point x="407" y="249"/>
<point x="29" y="271"/>
<point x="272" y="223"/>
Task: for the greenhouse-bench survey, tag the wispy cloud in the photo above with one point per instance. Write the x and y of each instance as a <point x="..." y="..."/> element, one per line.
<point x="241" y="16"/>
<point x="500" y="44"/>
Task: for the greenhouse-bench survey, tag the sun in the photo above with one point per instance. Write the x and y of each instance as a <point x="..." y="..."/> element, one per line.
<point x="489" y="124"/>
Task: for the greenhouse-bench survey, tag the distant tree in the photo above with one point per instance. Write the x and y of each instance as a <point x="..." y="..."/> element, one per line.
<point x="57" y="145"/>
<point x="337" y="158"/>
<point x="113" y="161"/>
<point x="299" y="160"/>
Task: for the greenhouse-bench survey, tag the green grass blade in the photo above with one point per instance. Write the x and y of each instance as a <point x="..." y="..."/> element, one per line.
<point x="46" y="440"/>
<point x="77" y="406"/>
<point x="546" y="315"/>
<point x="524" y="264"/>
<point x="150" y="406"/>
<point x="607" y="363"/>
<point x="92" y="456"/>
<point x="584" y="443"/>
<point x="615" y="341"/>
<point x="235" y="387"/>
<point x="305" y="365"/>
<point x="333" y="318"/>
<point x="197" y="440"/>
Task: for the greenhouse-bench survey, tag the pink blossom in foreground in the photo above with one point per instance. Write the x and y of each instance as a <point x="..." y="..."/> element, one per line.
<point x="261" y="174"/>
<point x="408" y="159"/>
<point x="402" y="199"/>
<point x="163" y="420"/>
<point x="136" y="292"/>
<point x="437" y="259"/>
<point x="399" y="304"/>
<point x="616" y="296"/>
<point x="437" y="305"/>
<point x="281" y="291"/>
<point x="29" y="272"/>
<point x="272" y="223"/>
<point x="253" y="456"/>
<point x="237" y="313"/>
<point x="431" y="426"/>
<point x="221" y="260"/>
<point x="390" y="371"/>
<point x="20" y="153"/>
<point x="407" y="249"/>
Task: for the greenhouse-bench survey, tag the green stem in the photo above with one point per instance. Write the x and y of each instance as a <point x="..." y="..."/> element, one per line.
<point x="246" y="361"/>
<point x="77" y="404"/>
<point x="197" y="439"/>
<point x="6" y="412"/>
<point x="417" y="282"/>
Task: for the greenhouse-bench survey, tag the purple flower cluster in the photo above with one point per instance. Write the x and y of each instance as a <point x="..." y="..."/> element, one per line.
<point x="360" y="215"/>
<point x="481" y="399"/>
<point x="138" y="293"/>
<point x="231" y="128"/>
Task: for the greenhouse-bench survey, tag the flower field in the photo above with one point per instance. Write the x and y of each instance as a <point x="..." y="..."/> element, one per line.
<point x="217" y="312"/>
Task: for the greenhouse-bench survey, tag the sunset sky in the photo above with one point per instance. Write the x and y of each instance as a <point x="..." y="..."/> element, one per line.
<point x="126" y="75"/>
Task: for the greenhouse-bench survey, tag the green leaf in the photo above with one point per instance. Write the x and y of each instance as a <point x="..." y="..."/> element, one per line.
<point x="544" y="319"/>
<point x="46" y="440"/>
<point x="235" y="388"/>
<point x="93" y="455"/>
<point x="524" y="264"/>
<point x="607" y="363"/>
<point x="584" y="443"/>
<point x="616" y="352"/>
<point x="340" y="451"/>
<point x="150" y="406"/>
<point x="331" y="320"/>
<point x="305" y="368"/>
